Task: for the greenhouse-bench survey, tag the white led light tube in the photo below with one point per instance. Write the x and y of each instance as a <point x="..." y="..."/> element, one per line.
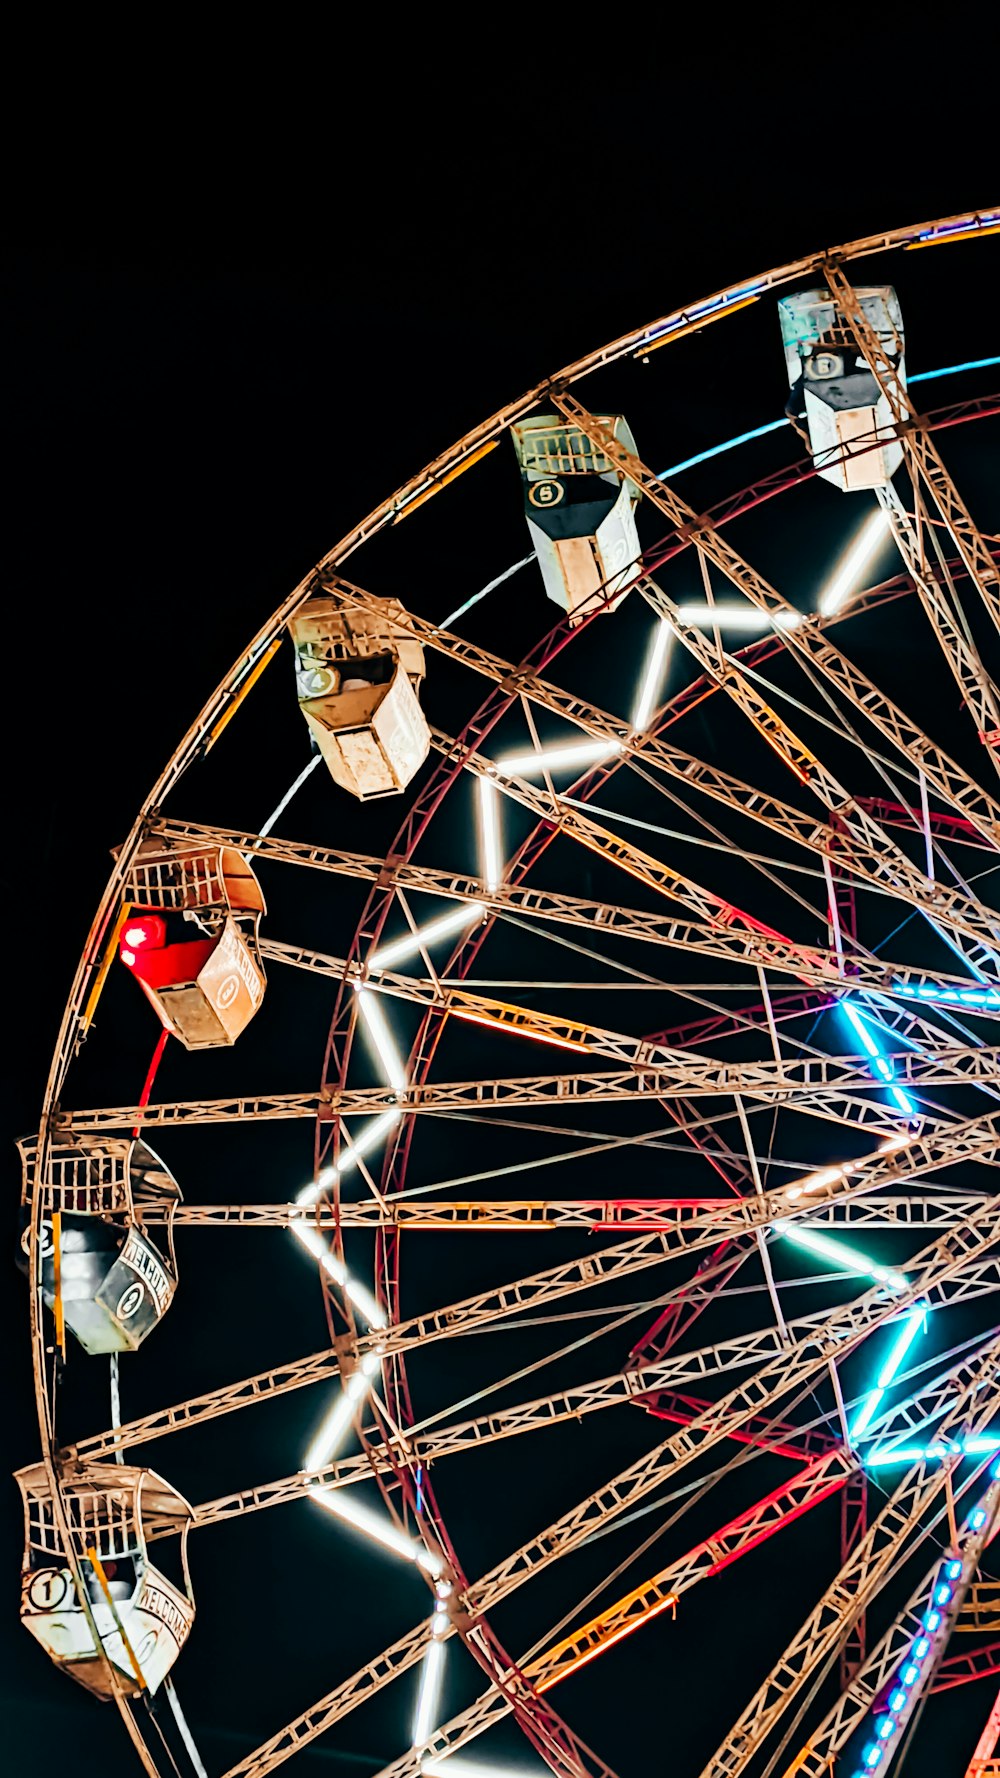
<point x="381" y="1037"/>
<point x="814" y="1182"/>
<point x="891" y="1143"/>
<point x="359" y="1293"/>
<point x="427" y="935"/>
<point x="430" y="1687"/>
<point x="837" y="589"/>
<point x="338" y="1420"/>
<point x="582" y="753"/>
<point x="646" y="700"/>
<point x="727" y="615"/>
<point x="350" y="1154"/>
<point x="489" y="835"/>
<point x="379" y="1528"/>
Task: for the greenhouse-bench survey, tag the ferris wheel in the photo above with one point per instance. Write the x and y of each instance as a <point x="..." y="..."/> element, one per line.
<point x="635" y="893"/>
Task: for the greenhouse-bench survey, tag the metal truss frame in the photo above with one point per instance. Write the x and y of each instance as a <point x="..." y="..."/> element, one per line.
<point x="957" y="1262"/>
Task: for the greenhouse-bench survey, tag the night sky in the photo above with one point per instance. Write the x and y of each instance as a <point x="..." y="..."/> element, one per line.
<point x="235" y="321"/>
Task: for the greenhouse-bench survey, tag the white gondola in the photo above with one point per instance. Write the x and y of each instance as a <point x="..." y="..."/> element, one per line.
<point x="580" y="511"/>
<point x="141" y="1618"/>
<point x="358" y="676"/>
<point x="114" y="1281"/>
<point x="834" y="396"/>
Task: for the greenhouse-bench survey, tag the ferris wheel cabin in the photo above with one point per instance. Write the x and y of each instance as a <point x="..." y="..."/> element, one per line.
<point x="191" y="939"/>
<point x="142" y="1618"/>
<point x="834" y="393"/>
<point x="580" y="511"/>
<point x="358" y="676"/>
<point x="114" y="1282"/>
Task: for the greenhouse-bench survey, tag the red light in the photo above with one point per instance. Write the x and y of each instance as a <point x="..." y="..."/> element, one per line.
<point x="147" y="934"/>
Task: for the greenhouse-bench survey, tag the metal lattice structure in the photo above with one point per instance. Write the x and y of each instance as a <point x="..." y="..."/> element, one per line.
<point x="752" y="888"/>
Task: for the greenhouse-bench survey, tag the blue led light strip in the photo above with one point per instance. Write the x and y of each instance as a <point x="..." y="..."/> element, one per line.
<point x="922" y="376"/>
<point x="713" y="305"/>
<point x="881" y="1065"/>
<point x="918" y="1665"/>
<point x="986" y="998"/>
<point x="986" y="219"/>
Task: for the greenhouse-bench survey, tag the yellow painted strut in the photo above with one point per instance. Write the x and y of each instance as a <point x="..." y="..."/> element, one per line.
<point x="106" y="961"/>
<point x="57" y="1269"/>
<point x="102" y="1580"/>
<point x="247" y="686"/>
<point x="441" y="481"/>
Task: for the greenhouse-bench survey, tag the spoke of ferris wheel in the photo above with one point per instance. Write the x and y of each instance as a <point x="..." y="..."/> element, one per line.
<point x="888" y="1538"/>
<point x="803" y="635"/>
<point x="662" y="1592"/>
<point x="902" y="1159"/>
<point x="929" y="1401"/>
<point x="918" y="446"/>
<point x="321" y="1366"/>
<point x="742" y="942"/>
<point x="436" y="1099"/>
<point x="803" y="830"/>
<point x="961" y="916"/>
<point x="668" y="1072"/>
<point x="868" y="840"/>
<point x="792" y="1371"/>
<point x="532" y="1214"/>
<point x="933" y="1274"/>
<point x="564" y="1033"/>
<point x="509" y="898"/>
<point x="847" y="728"/>
<point x="429" y="1442"/>
<point x="808" y="1487"/>
<point x="702" y="1128"/>
<point x="826" y="1741"/>
<point x="541" y="904"/>
<point x="450" y="884"/>
<point x="959" y="651"/>
<point x="897" y="779"/>
<point x="878" y="863"/>
<point x="547" y="1028"/>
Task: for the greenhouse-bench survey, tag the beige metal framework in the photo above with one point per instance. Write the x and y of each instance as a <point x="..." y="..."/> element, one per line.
<point x="728" y="1141"/>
